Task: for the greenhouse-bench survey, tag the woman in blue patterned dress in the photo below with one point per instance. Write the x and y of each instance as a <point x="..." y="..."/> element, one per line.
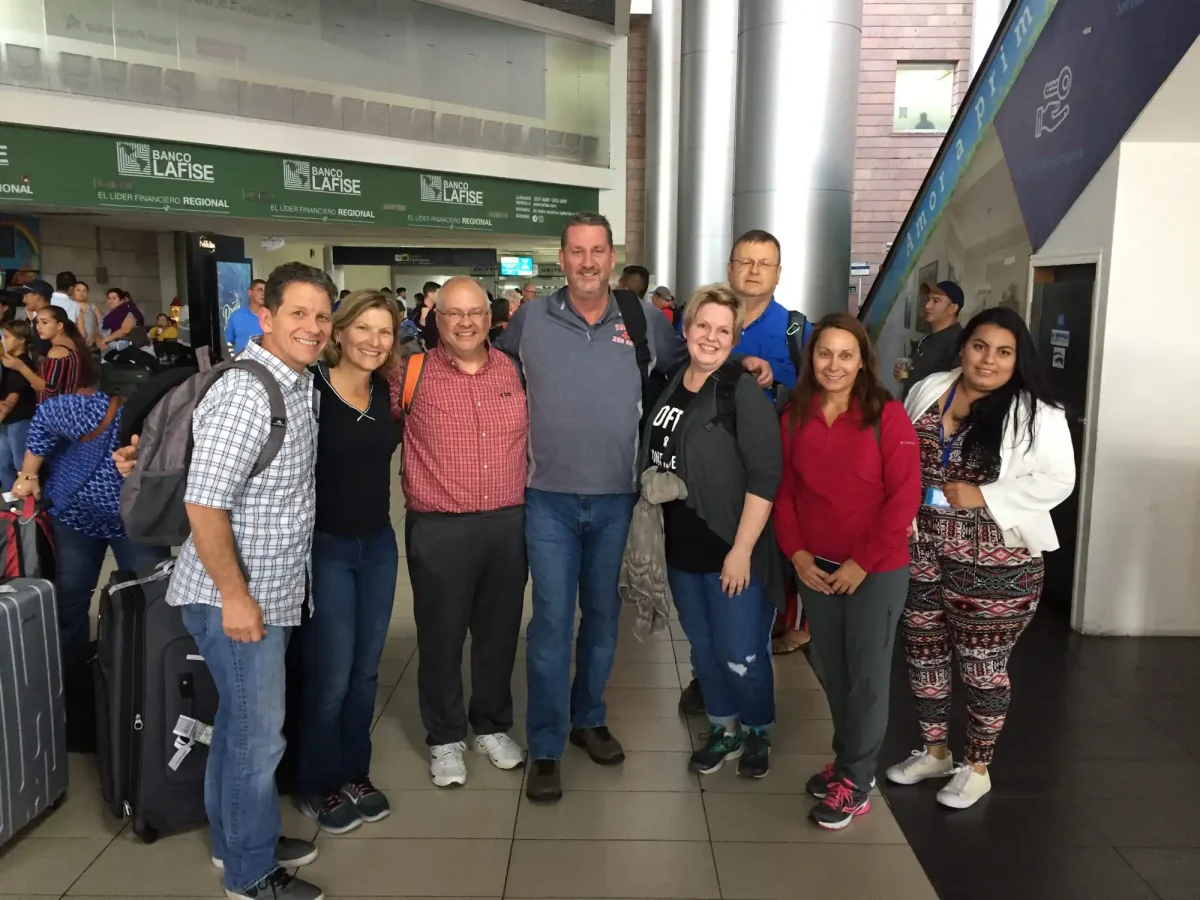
<point x="80" y="432"/>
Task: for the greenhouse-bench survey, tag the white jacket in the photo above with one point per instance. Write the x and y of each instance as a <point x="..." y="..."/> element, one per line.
<point x="1034" y="477"/>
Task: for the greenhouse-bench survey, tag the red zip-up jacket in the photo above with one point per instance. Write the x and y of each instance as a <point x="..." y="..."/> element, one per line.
<point x="844" y="494"/>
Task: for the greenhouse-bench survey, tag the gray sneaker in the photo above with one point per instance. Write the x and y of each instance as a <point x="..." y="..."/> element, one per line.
<point x="368" y="800"/>
<point x="279" y="885"/>
<point x="290" y="853"/>
<point x="332" y="812"/>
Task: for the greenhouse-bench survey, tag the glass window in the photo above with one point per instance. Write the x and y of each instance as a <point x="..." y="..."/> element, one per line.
<point x="924" y="97"/>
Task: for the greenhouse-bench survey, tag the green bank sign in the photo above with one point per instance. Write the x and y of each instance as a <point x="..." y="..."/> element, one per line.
<point x="41" y="167"/>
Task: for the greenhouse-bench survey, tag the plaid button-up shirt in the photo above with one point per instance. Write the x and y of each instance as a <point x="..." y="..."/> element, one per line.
<point x="464" y="439"/>
<point x="272" y="514"/>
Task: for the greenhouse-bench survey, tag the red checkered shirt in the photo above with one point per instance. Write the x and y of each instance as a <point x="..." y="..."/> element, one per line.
<point x="464" y="439"/>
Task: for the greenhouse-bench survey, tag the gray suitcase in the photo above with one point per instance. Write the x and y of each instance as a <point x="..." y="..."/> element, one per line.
<point x="33" y="739"/>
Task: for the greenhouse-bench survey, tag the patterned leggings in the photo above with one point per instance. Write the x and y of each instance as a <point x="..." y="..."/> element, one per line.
<point x="970" y="595"/>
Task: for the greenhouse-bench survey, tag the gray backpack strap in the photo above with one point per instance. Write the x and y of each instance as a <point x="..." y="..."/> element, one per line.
<point x="275" y="401"/>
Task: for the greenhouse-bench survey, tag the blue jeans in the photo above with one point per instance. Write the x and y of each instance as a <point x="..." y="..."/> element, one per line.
<point x="574" y="543"/>
<point x="78" y="559"/>
<point x="12" y="451"/>
<point x="354" y="585"/>
<point x="247" y="744"/>
<point x="731" y="647"/>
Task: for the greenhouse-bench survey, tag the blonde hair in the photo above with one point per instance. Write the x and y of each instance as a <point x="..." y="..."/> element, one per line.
<point x="721" y="295"/>
<point x="347" y="314"/>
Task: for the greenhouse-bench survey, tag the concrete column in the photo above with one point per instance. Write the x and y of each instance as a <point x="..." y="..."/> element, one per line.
<point x="662" y="139"/>
<point x="985" y="19"/>
<point x="707" y="93"/>
<point x="797" y="111"/>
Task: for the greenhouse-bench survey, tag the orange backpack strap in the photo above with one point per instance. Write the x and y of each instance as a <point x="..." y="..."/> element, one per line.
<point x="412" y="377"/>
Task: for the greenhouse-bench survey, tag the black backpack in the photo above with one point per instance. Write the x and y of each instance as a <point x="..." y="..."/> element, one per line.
<point x="636" y="326"/>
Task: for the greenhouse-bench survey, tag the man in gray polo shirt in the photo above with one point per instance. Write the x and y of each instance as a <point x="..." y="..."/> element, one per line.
<point x="585" y="392"/>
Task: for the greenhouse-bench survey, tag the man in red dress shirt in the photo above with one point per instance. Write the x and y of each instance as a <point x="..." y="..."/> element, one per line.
<point x="464" y="532"/>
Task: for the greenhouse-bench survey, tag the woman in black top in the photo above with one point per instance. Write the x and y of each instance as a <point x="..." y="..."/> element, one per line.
<point x="354" y="565"/>
<point x="716" y="430"/>
<point x="18" y="401"/>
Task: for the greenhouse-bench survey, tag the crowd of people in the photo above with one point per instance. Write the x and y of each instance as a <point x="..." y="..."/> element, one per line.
<point x="611" y="453"/>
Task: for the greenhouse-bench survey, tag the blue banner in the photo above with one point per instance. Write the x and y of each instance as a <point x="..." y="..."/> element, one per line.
<point x="977" y="113"/>
<point x="1097" y="65"/>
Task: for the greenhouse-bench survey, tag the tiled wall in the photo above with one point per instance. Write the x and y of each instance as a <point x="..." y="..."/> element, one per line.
<point x="635" y="141"/>
<point x="130" y="257"/>
<point x="889" y="167"/>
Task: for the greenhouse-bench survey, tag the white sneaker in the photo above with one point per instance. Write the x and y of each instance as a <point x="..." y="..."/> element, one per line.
<point x="919" y="766"/>
<point x="965" y="788"/>
<point x="446" y="764"/>
<point x="502" y="750"/>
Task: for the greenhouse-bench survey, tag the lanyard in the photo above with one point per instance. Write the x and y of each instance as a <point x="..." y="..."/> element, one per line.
<point x="946" y="446"/>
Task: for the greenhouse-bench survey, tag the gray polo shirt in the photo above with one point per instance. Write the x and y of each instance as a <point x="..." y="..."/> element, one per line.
<point x="937" y="352"/>
<point x="585" y="392"/>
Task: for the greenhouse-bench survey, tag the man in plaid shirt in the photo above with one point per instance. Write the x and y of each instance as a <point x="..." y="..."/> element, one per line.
<point x="464" y="531"/>
<point x="242" y="582"/>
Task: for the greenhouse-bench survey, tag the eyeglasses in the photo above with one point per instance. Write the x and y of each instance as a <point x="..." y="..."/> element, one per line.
<point x="477" y="315"/>
<point x="754" y="264"/>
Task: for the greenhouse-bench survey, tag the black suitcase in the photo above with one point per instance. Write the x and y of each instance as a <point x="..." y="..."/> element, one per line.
<point x="151" y="684"/>
<point x="119" y="379"/>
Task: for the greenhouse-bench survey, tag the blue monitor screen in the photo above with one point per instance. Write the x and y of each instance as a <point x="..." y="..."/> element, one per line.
<point x="520" y="266"/>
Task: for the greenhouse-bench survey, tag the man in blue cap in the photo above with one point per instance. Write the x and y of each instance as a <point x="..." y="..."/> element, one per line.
<point x="938" y="350"/>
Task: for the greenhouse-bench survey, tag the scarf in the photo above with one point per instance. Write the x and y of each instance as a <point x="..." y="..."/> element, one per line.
<point x="643" y="578"/>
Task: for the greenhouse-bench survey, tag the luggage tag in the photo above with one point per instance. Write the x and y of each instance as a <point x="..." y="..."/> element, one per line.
<point x="936" y="497"/>
<point x="193" y="731"/>
<point x="182" y="749"/>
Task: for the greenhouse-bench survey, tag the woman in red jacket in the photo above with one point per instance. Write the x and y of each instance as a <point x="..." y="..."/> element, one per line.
<point x="850" y="491"/>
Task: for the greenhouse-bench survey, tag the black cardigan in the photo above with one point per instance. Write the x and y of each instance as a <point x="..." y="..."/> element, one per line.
<point x="720" y="470"/>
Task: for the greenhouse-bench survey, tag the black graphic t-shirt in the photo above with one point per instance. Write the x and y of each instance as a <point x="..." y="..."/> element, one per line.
<point x="691" y="545"/>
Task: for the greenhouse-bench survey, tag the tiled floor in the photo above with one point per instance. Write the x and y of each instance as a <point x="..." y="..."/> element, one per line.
<point x="643" y="830"/>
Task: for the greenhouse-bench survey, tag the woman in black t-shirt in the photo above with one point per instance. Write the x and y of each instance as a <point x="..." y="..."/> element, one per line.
<point x="354" y="564"/>
<point x="18" y="401"/>
<point x="716" y="430"/>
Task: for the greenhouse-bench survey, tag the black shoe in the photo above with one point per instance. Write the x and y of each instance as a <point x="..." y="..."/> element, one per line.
<point x="818" y="785"/>
<point x="843" y="802"/>
<point x="691" y="701"/>
<point x="600" y="745"/>
<point x="545" y="781"/>
<point x="291" y="853"/>
<point x="756" y="757"/>
<point x="279" y="885"/>
<point x="722" y="745"/>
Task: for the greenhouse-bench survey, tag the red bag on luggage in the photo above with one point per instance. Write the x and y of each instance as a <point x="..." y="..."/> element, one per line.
<point x="26" y="544"/>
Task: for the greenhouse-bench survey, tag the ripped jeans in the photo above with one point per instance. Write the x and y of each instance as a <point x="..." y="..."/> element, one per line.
<point x="731" y="647"/>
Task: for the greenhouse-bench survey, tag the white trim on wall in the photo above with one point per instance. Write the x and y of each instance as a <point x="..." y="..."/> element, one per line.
<point x="49" y="109"/>
<point x="534" y="17"/>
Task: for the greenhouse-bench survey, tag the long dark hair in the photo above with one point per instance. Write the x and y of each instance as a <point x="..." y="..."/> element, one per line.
<point x="89" y="369"/>
<point x="868" y="390"/>
<point x="1027" y="385"/>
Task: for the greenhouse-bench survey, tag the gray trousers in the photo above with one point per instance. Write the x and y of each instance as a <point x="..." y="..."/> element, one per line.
<point x="852" y="640"/>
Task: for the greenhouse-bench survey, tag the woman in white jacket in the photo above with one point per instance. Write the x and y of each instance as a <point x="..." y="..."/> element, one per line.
<point x="996" y="457"/>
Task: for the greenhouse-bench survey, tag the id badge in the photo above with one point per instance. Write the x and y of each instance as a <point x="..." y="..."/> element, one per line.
<point x="934" y="496"/>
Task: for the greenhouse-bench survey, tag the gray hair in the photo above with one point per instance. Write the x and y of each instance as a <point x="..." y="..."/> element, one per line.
<point x="586" y="218"/>
<point x="454" y="281"/>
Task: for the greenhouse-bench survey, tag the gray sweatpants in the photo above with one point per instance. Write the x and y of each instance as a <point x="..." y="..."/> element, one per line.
<point x="852" y="639"/>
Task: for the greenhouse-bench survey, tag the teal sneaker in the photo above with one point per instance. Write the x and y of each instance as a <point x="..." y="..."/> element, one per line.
<point x="722" y="745"/>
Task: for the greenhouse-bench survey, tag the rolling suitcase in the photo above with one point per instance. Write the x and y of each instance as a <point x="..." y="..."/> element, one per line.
<point x="155" y="705"/>
<point x="33" y="743"/>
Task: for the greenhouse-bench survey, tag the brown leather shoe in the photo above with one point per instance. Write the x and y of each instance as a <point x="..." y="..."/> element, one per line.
<point x="544" y="784"/>
<point x="600" y="745"/>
